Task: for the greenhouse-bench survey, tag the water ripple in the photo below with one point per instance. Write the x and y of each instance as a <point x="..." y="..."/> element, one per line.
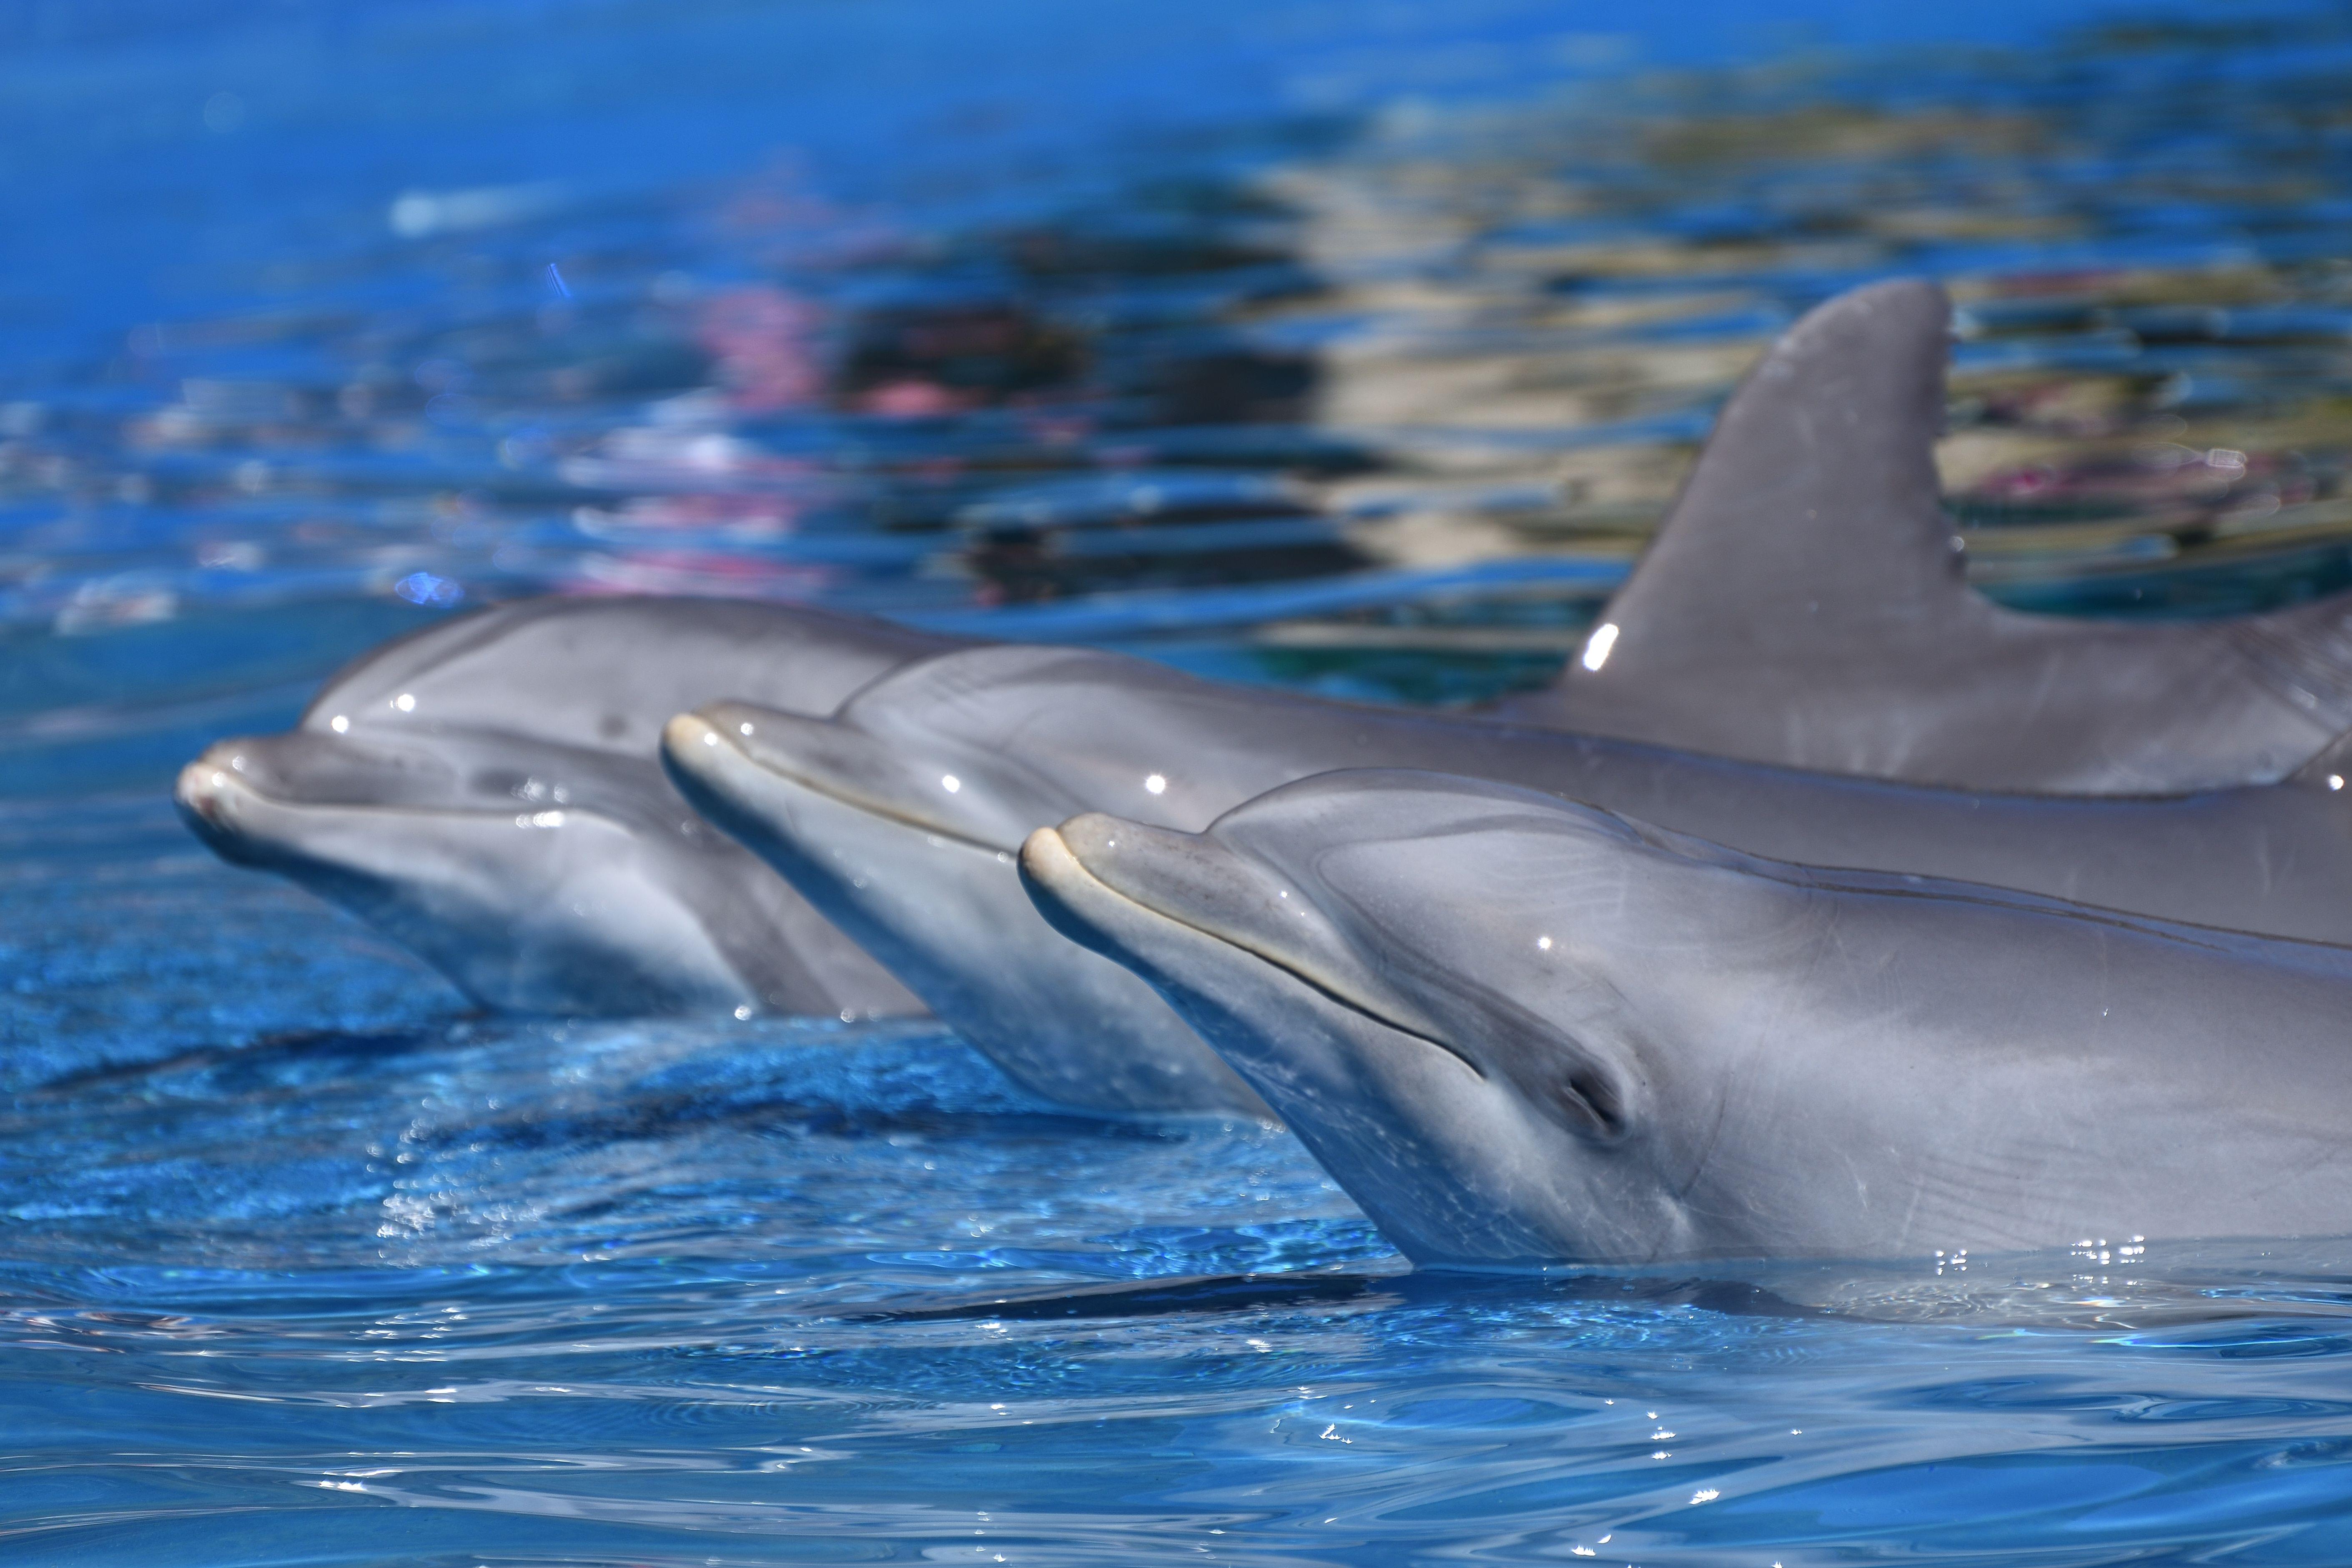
<point x="1357" y="353"/>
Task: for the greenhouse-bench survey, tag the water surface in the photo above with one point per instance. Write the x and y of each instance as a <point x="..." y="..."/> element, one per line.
<point x="1351" y="352"/>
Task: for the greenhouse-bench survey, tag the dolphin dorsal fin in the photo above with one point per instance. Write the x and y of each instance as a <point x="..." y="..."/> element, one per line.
<point x="1811" y="531"/>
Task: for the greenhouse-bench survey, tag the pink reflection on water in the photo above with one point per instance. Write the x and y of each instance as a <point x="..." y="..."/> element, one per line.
<point x="701" y="574"/>
<point x="914" y="399"/>
<point x="764" y="341"/>
<point x="763" y="515"/>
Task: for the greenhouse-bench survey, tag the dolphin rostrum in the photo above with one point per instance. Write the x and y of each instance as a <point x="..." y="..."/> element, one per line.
<point x="1804" y="604"/>
<point x="485" y="792"/>
<point x="899" y="818"/>
<point x="1522" y="1032"/>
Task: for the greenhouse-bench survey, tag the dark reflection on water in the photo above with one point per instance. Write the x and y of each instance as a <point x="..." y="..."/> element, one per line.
<point x="1357" y="356"/>
<point x="1378" y="394"/>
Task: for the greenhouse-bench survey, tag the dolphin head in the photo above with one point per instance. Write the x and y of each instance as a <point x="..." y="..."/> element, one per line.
<point x="907" y="841"/>
<point x="486" y="792"/>
<point x="1450" y="989"/>
<point x="900" y="815"/>
<point x="536" y="880"/>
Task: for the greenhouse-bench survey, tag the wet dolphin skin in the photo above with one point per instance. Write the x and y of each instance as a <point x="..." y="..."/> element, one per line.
<point x="1522" y="1032"/>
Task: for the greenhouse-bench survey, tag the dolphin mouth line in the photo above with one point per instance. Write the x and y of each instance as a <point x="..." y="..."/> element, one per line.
<point x="859" y="802"/>
<point x="1273" y="961"/>
<point x="562" y="814"/>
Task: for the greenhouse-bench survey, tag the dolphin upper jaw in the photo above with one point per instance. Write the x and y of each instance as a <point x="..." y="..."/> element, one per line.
<point x="944" y="792"/>
<point x="244" y="814"/>
<point x="532" y="910"/>
<point x="205" y="793"/>
<point x="1186" y="878"/>
<point x="220" y="792"/>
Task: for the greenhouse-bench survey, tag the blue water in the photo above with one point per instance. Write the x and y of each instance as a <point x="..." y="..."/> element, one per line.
<point x="1348" y="348"/>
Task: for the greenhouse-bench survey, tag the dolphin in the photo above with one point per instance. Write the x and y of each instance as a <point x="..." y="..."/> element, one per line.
<point x="900" y="817"/>
<point x="1803" y="604"/>
<point x="1523" y="1031"/>
<point x="1819" y="467"/>
<point x="485" y="792"/>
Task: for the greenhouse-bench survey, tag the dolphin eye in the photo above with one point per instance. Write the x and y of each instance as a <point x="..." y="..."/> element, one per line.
<point x="1589" y="1102"/>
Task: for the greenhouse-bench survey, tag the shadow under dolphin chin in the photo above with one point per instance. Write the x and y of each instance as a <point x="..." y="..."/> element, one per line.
<point x="844" y="822"/>
<point x="2041" y="1292"/>
<point x="1339" y="1291"/>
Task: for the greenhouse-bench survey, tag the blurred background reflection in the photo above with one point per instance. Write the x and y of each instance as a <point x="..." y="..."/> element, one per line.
<point x="1289" y="342"/>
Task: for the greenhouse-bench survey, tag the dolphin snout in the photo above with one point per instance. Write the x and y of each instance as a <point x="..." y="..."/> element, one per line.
<point x="813" y="751"/>
<point x="1095" y="838"/>
<point x="1183" y="876"/>
<point x="723" y="784"/>
<point x="1069" y="897"/>
<point x="681" y="734"/>
<point x="251" y="798"/>
<point x="209" y="789"/>
<point x="199" y="789"/>
<point x="737" y="751"/>
<point x="1195" y="881"/>
<point x="209" y="772"/>
<point x="220" y="765"/>
<point x="723" y="748"/>
<point x="1062" y="883"/>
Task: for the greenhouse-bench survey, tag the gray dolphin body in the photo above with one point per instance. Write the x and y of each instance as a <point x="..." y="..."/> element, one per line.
<point x="1519" y="1030"/>
<point x="487" y="793"/>
<point x="1804" y="604"/>
<point x="900" y="816"/>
